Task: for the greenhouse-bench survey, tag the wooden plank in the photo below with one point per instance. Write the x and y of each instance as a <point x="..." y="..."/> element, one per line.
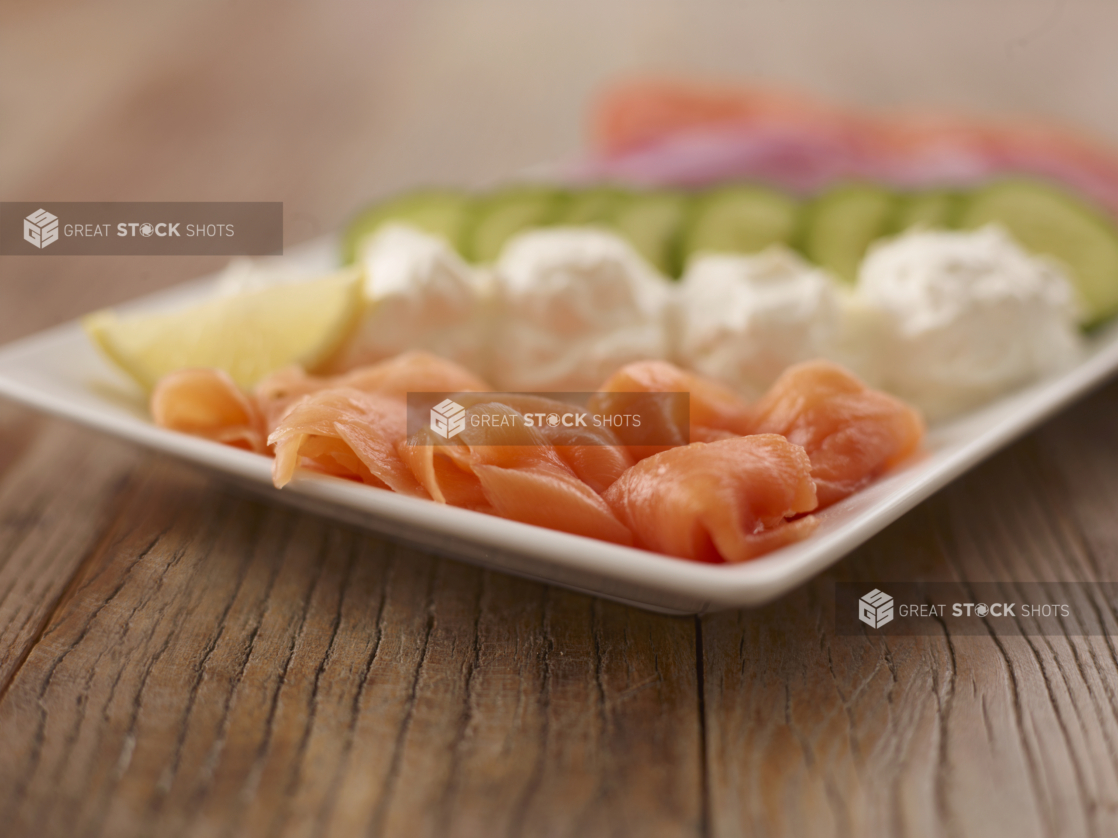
<point x="59" y="486"/>
<point x="810" y="733"/>
<point x="225" y="667"/>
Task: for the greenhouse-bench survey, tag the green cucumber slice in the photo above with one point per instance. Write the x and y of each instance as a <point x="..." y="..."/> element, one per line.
<point x="1047" y="220"/>
<point x="441" y="212"/>
<point x="740" y="219"/>
<point x="501" y="215"/>
<point x="935" y="210"/>
<point x="842" y="223"/>
<point x="653" y="223"/>
<point x="595" y="205"/>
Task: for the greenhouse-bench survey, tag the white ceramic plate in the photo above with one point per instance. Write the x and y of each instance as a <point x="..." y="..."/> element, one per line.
<point x="60" y="372"/>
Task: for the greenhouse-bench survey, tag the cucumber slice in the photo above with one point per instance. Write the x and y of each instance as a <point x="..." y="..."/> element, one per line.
<point x="740" y="219"/>
<point x="500" y="216"/>
<point x="935" y="210"/>
<point x="842" y="223"/>
<point x="1050" y="221"/>
<point x="653" y="223"/>
<point x="441" y="212"/>
<point x="593" y="206"/>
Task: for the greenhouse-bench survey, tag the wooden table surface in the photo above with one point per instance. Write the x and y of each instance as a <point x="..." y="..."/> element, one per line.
<point x="179" y="659"/>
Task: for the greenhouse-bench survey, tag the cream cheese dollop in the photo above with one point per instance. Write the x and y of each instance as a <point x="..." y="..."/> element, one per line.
<point x="969" y="315"/>
<point x="744" y="319"/>
<point x="244" y="275"/>
<point x="420" y="294"/>
<point x="571" y="306"/>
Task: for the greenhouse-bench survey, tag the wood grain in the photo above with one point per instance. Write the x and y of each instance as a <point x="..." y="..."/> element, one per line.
<point x="58" y="493"/>
<point x="221" y="667"/>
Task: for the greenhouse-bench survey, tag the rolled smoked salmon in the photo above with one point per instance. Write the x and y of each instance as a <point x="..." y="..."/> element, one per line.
<point x="513" y="471"/>
<point x="208" y="403"/>
<point x="347" y="433"/>
<point x="415" y="372"/>
<point x="720" y="501"/>
<point x="665" y="133"/>
<point x="851" y="433"/>
<point x="352" y="425"/>
<point x="715" y="411"/>
<point x="593" y="451"/>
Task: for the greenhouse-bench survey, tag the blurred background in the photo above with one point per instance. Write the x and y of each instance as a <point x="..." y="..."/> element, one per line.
<point x="327" y="105"/>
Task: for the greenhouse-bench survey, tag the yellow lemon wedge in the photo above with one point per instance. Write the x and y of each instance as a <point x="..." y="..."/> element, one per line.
<point x="248" y="335"/>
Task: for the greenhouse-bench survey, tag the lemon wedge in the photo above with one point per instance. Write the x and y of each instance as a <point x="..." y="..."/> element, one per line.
<point x="248" y="335"/>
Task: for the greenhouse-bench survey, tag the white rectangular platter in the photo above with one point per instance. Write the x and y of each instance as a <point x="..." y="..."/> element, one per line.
<point x="60" y="372"/>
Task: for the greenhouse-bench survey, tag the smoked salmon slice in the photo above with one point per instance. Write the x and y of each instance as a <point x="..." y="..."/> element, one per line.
<point x="591" y="449"/>
<point x="635" y="114"/>
<point x="661" y="133"/>
<point x="721" y="501"/>
<point x="851" y="432"/>
<point x="352" y="425"/>
<point x="415" y="372"/>
<point x="208" y="403"/>
<point x="512" y="470"/>
<point x="711" y="412"/>
<point x="347" y="433"/>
